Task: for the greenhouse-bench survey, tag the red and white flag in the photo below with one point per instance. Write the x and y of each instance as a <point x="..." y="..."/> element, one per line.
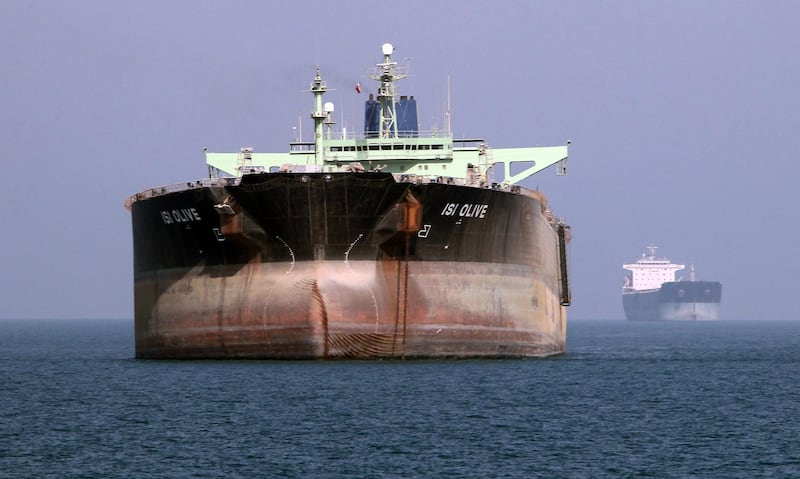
<point x="358" y="87"/>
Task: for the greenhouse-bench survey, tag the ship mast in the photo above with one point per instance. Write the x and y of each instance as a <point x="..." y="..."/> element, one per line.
<point x="386" y="73"/>
<point x="318" y="88"/>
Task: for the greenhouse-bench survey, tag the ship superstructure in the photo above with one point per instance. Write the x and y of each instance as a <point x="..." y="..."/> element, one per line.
<point x="650" y="272"/>
<point x="393" y="143"/>
<point x="651" y="292"/>
<point x="390" y="243"/>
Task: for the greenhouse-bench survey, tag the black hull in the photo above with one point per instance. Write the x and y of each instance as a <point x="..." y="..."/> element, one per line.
<point x="283" y="218"/>
<point x="675" y="301"/>
<point x="346" y="265"/>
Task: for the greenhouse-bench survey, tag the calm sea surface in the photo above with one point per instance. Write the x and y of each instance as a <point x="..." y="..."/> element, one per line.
<point x="705" y="400"/>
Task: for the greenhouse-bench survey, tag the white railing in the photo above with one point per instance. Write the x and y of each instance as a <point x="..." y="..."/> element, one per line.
<point x="375" y="135"/>
<point x="176" y="187"/>
<point x="399" y="177"/>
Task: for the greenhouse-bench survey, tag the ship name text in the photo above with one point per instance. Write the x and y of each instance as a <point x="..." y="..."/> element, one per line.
<point x="466" y="210"/>
<point x="183" y="215"/>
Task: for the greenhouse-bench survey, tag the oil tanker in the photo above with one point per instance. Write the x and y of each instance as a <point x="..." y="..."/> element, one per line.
<point x="390" y="243"/>
<point x="652" y="293"/>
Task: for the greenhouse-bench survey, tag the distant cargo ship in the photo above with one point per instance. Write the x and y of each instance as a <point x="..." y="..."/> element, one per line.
<point x="394" y="243"/>
<point x="651" y="292"/>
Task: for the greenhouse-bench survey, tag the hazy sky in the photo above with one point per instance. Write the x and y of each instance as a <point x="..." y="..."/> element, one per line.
<point x="682" y="114"/>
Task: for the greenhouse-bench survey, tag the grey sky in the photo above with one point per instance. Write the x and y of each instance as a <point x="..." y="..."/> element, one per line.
<point x="682" y="116"/>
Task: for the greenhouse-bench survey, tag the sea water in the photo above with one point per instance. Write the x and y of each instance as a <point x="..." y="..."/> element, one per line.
<point x="661" y="400"/>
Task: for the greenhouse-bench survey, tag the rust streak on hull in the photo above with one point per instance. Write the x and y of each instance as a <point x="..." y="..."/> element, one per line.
<point x="330" y="310"/>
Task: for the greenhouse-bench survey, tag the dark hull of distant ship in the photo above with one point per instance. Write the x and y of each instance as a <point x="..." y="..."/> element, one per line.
<point x="675" y="301"/>
<point x="347" y="265"/>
